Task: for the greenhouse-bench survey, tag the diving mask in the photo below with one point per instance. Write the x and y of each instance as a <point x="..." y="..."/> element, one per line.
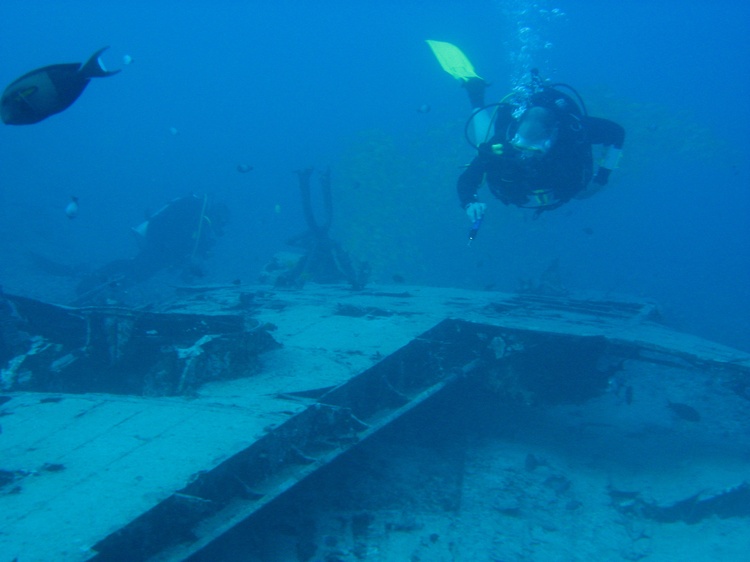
<point x="536" y="133"/>
<point x="536" y="147"/>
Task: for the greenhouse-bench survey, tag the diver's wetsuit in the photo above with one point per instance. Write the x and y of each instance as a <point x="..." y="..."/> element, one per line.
<point x="544" y="182"/>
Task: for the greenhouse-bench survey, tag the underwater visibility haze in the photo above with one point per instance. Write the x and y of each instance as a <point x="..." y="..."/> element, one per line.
<point x="521" y="386"/>
<point x="353" y="86"/>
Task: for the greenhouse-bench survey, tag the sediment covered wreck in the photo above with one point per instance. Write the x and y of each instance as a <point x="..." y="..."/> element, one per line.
<point x="383" y="424"/>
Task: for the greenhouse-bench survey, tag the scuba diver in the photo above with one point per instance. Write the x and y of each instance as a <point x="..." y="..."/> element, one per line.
<point x="535" y="147"/>
<point x="539" y="154"/>
<point x="179" y="235"/>
<point x="324" y="261"/>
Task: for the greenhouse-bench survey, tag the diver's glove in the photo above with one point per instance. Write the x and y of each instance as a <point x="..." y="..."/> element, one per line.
<point x="475" y="210"/>
<point x="602" y="176"/>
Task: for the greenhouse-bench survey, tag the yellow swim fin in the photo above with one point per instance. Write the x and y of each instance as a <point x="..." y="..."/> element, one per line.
<point x="453" y="61"/>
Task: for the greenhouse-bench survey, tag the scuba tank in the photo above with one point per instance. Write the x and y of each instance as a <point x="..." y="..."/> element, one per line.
<point x="536" y="92"/>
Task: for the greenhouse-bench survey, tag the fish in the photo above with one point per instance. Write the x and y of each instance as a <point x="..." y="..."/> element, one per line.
<point x="71" y="210"/>
<point x="685" y="412"/>
<point x="49" y="90"/>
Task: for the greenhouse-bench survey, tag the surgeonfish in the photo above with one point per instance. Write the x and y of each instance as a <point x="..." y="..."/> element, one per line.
<point x="48" y="90"/>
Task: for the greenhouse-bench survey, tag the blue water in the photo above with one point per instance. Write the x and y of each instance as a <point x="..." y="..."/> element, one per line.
<point x="285" y="85"/>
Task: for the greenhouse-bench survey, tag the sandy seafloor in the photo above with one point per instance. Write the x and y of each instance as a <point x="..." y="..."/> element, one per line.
<point x="472" y="476"/>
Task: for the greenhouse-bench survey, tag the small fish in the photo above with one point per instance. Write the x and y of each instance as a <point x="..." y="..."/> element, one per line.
<point x="424" y="108"/>
<point x="685" y="412"/>
<point x="588" y="231"/>
<point x="48" y="90"/>
<point x="244" y="168"/>
<point x="71" y="210"/>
